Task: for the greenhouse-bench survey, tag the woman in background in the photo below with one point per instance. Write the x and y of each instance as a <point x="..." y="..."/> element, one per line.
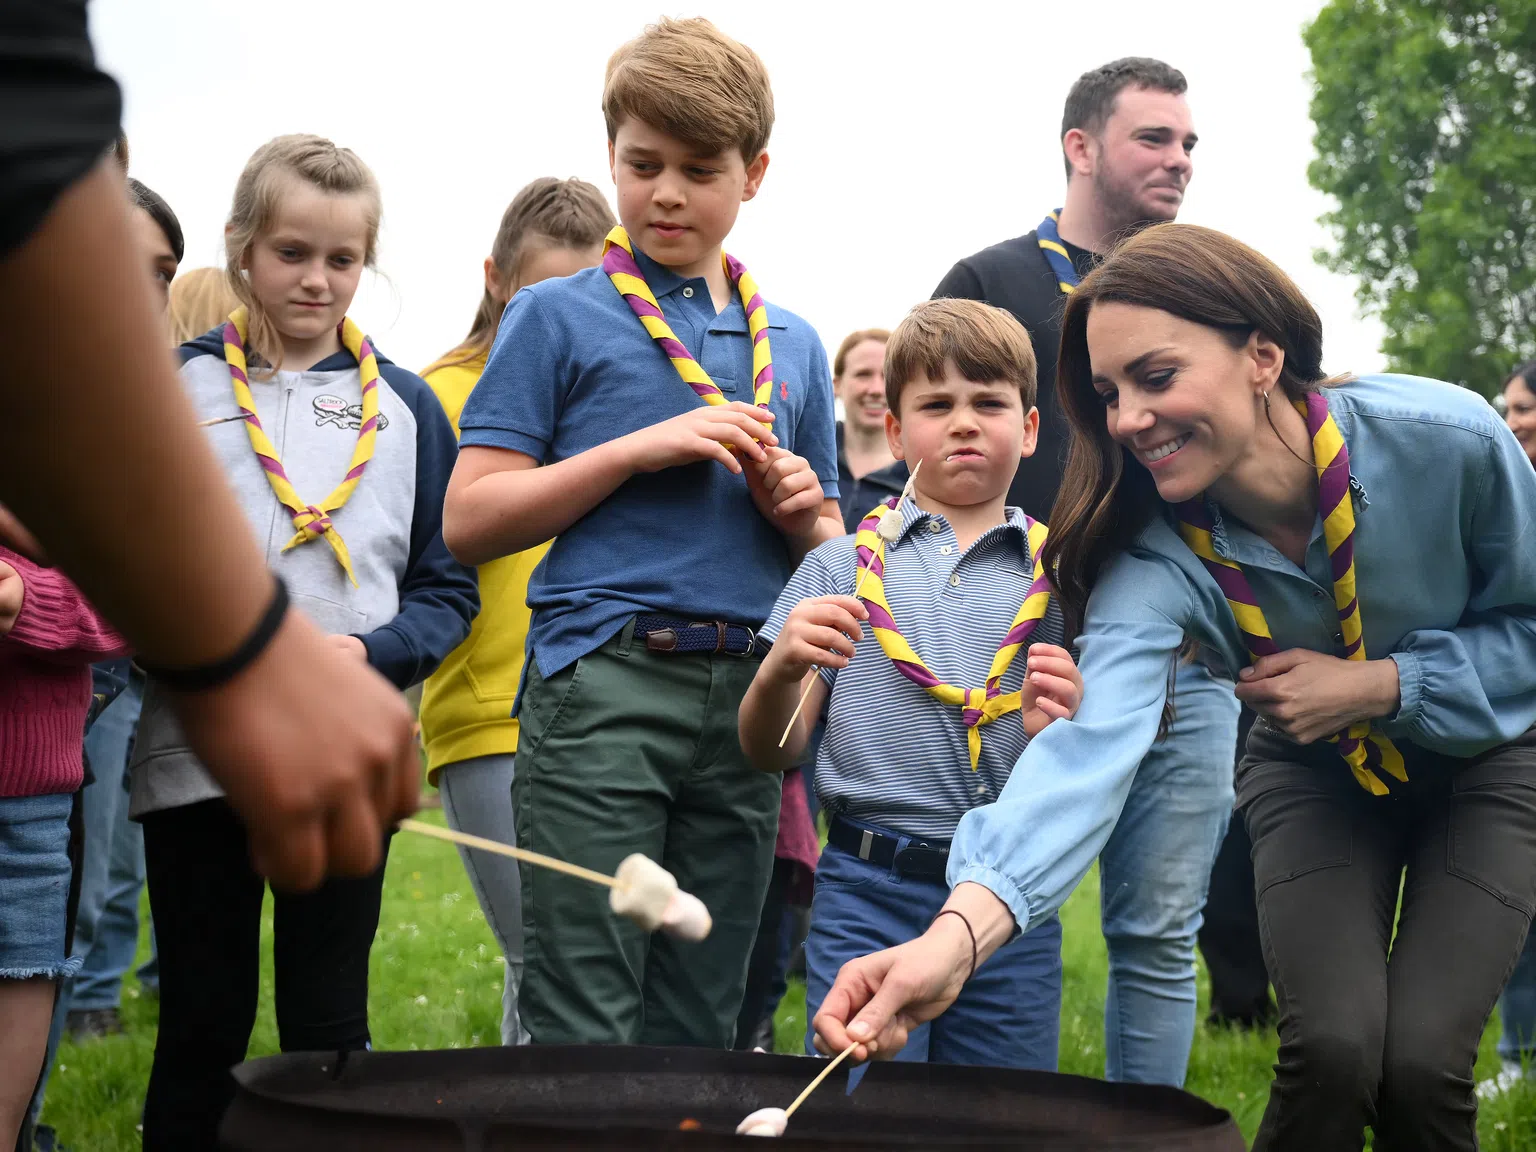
<point x="552" y="228"/>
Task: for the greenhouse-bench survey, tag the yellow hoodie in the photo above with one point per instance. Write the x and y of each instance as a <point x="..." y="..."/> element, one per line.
<point x="466" y="704"/>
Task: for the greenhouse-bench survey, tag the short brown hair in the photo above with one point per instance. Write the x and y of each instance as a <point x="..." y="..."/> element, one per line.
<point x="982" y="342"/>
<point x="1092" y="99"/>
<point x="852" y="341"/>
<point x="693" y="82"/>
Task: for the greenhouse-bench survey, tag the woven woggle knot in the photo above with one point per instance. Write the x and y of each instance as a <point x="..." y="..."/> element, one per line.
<point x="318" y="524"/>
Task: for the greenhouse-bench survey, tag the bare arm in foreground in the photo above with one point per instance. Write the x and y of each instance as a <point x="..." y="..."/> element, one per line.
<point x="100" y="459"/>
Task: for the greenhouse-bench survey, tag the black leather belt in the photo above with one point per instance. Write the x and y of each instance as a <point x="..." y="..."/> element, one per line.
<point x="713" y="637"/>
<point x="926" y="859"/>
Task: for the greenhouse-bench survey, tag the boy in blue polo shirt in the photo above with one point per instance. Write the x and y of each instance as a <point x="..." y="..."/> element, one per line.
<point x="674" y="435"/>
<point x="923" y="679"/>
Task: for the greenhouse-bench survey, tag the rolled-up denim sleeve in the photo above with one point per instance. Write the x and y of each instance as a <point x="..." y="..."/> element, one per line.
<point x="1466" y="689"/>
<point x="1034" y="845"/>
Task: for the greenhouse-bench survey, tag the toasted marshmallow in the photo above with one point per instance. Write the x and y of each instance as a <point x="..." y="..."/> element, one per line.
<point x="644" y="891"/>
<point x="764" y="1122"/>
<point x="686" y="917"/>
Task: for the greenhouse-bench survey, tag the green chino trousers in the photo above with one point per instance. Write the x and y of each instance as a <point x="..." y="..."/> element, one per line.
<point x="630" y="750"/>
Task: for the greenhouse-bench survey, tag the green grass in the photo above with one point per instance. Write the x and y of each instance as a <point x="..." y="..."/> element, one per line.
<point x="436" y="983"/>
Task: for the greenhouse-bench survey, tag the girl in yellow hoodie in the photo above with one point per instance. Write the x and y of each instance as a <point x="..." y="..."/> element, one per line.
<point x="551" y="228"/>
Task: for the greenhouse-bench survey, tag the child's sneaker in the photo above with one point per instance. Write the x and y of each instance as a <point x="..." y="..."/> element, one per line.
<point x="92" y="1024"/>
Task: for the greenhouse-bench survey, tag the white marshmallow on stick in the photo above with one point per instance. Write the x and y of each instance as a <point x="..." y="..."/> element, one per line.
<point x="889" y="530"/>
<point x="764" y="1122"/>
<point x="648" y="894"/>
<point x="773" y="1121"/>
<point x="643" y="891"/>
<point x="686" y="917"/>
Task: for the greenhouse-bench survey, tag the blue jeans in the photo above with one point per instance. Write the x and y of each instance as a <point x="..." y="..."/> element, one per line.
<point x="1154" y="873"/>
<point x="1008" y="1014"/>
<point x="477" y="798"/>
<point x="107" y="925"/>
<point x="1517" y="1009"/>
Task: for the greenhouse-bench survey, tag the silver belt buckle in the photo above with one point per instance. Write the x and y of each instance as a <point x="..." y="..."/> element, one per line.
<point x="866" y="842"/>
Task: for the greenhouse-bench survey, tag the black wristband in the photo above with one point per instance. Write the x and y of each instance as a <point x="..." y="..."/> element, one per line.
<point x="969" y="931"/>
<point x="222" y="671"/>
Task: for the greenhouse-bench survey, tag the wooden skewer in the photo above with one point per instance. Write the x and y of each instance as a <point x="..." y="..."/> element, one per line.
<point x="822" y="1075"/>
<point x="857" y="588"/>
<point x="523" y="854"/>
<point x="220" y="420"/>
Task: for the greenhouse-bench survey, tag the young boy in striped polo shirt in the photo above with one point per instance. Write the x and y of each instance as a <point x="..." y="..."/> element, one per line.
<point x="931" y="683"/>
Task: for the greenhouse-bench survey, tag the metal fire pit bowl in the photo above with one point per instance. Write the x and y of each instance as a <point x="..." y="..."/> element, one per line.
<point x="636" y="1099"/>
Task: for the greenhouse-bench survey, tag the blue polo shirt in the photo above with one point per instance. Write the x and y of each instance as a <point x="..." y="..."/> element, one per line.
<point x="572" y="368"/>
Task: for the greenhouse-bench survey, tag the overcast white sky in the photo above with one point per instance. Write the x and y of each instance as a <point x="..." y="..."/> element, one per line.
<point x="907" y="136"/>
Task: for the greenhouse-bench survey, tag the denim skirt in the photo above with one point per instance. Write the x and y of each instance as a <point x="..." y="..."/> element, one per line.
<point x="34" y="903"/>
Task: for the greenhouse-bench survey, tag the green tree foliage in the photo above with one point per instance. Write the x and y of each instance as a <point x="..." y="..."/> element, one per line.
<point x="1426" y="136"/>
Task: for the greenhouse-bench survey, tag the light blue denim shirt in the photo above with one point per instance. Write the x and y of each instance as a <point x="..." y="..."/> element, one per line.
<point x="1445" y="500"/>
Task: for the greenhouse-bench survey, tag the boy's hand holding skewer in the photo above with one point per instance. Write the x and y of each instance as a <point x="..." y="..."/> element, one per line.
<point x="818" y="633"/>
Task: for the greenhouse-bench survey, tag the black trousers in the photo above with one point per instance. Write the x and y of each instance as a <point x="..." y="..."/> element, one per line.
<point x="206" y="901"/>
<point x="1377" y="1029"/>
<point x="1229" y="928"/>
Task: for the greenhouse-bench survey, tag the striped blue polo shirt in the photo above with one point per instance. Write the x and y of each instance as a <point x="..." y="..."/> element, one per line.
<point x="892" y="755"/>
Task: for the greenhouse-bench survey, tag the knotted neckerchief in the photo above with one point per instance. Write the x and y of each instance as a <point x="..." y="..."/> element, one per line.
<point x="1056" y="255"/>
<point x="1364" y="749"/>
<point x="311" y="520"/>
<point x="978" y="706"/>
<point x="619" y="263"/>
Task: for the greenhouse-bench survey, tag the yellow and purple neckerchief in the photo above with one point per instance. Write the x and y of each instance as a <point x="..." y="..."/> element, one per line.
<point x="619" y="263"/>
<point x="979" y="706"/>
<point x="1363" y="748"/>
<point x="311" y="520"/>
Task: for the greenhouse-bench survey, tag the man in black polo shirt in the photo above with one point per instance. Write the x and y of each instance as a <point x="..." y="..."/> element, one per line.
<point x="1127" y="139"/>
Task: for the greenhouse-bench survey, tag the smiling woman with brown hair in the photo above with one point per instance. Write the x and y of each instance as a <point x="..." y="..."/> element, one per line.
<point x="1221" y="486"/>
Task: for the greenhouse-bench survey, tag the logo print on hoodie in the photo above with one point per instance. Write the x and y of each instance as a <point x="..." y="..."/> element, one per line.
<point x="335" y="411"/>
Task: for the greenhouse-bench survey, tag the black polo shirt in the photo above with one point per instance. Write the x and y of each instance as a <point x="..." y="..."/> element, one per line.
<point x="1014" y="275"/>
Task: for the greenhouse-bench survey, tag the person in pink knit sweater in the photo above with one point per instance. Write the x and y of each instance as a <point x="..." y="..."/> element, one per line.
<point x="49" y="637"/>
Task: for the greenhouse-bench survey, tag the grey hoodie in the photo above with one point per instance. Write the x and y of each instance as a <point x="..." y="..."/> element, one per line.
<point x="413" y="602"/>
